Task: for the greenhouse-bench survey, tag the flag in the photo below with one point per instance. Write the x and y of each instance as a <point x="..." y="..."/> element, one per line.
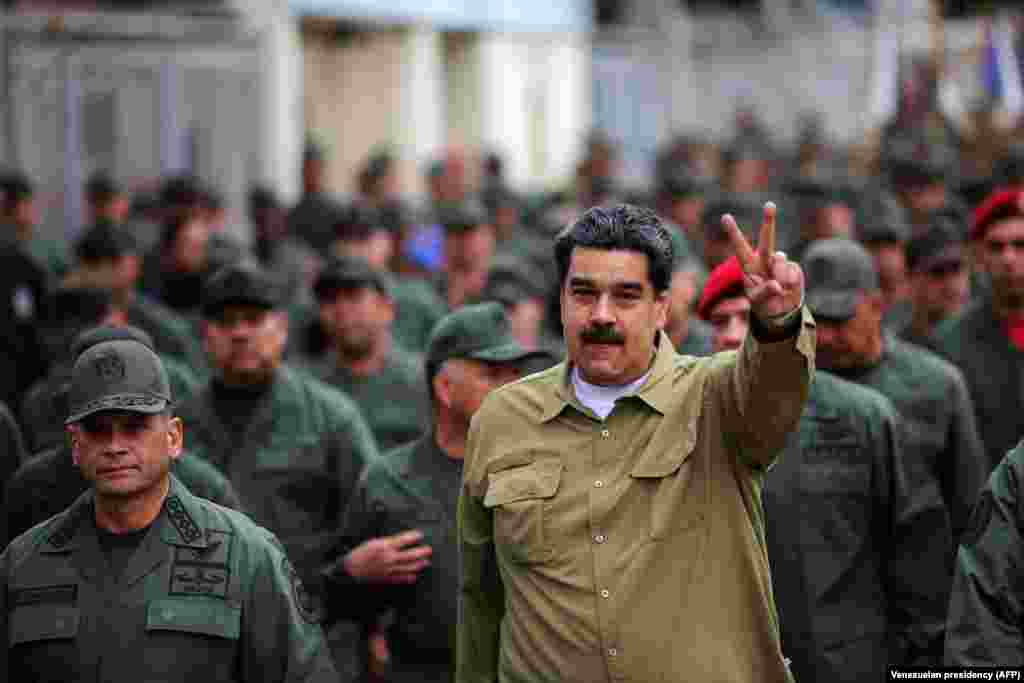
<point x="1000" y="71"/>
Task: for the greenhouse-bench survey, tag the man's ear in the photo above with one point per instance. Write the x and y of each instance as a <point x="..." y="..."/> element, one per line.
<point x="175" y="437"/>
<point x="72" y="434"/>
<point x="661" y="303"/>
<point x="442" y="384"/>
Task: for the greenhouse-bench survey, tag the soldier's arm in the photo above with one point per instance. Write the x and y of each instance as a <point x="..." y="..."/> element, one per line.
<point x="916" y="539"/>
<point x="985" y="608"/>
<point x="765" y="389"/>
<point x="355" y="449"/>
<point x="966" y="471"/>
<point x="481" y="591"/>
<point x="282" y="639"/>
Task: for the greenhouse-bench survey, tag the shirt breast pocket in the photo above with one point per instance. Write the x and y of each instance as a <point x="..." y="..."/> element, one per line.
<point x="43" y="642"/>
<point x="674" y="486"/>
<point x="519" y="498"/>
<point x="198" y="635"/>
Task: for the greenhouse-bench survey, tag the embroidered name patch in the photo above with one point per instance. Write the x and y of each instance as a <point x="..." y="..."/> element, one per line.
<point x="203" y="571"/>
<point x="48" y="595"/>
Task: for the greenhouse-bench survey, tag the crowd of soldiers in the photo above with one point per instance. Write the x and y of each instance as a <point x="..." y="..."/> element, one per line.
<point x="325" y="372"/>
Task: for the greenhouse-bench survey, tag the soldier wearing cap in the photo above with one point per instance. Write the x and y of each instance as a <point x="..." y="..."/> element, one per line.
<point x="609" y="523"/>
<point x="942" y="441"/>
<point x="681" y="201"/>
<point x="399" y="545"/>
<point x="824" y="208"/>
<point x="49" y="482"/>
<point x="108" y="258"/>
<point x="843" y="468"/>
<point x="939" y="279"/>
<point x="360" y="232"/>
<point x="19" y="219"/>
<point x="291" y="446"/>
<point x="715" y="244"/>
<point x="690" y="335"/>
<point x="884" y="232"/>
<point x="105" y="200"/>
<point x="279" y="252"/>
<point x="522" y="290"/>
<point x="140" y="579"/>
<point x="986" y="341"/>
<point x="312" y="218"/>
<point x="356" y="310"/>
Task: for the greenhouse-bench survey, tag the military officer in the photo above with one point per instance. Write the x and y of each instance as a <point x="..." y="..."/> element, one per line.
<point x="291" y="446"/>
<point x="986" y="341"/>
<point x="362" y="358"/>
<point x="399" y="539"/>
<point x="930" y="394"/>
<point x="140" y="579"/>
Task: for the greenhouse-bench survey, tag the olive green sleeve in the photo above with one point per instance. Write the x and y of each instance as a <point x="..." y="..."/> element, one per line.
<point x="481" y="591"/>
<point x="765" y="390"/>
<point x="282" y="639"/>
<point x="983" y="626"/>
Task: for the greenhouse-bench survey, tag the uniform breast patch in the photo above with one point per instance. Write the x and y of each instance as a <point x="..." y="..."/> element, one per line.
<point x="182" y="521"/>
<point x="49" y="595"/>
<point x="203" y="571"/>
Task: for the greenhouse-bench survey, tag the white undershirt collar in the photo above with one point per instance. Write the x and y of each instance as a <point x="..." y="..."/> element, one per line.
<point x="601" y="399"/>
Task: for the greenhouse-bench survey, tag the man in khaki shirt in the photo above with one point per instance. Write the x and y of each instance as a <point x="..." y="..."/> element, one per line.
<point x="610" y="520"/>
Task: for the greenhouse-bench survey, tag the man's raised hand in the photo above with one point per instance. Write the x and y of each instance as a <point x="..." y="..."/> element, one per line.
<point x="773" y="283"/>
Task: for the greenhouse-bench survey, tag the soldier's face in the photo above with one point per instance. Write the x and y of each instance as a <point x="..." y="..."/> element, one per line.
<point x="1000" y="253"/>
<point x="730" y="321"/>
<point x="850" y="344"/>
<point x="891" y="262"/>
<point x="611" y="314"/>
<point x="942" y="291"/>
<point x="356" y="319"/>
<point x="246" y="343"/>
<point x="124" y="454"/>
<point x="465" y="384"/>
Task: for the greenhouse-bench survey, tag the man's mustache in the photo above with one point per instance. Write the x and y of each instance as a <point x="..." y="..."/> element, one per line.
<point x="601" y="335"/>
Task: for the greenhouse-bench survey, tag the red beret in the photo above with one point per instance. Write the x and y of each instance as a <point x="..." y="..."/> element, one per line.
<point x="724" y="282"/>
<point x="998" y="205"/>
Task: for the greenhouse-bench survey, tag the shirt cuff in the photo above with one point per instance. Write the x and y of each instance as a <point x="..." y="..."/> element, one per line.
<point x="780" y="329"/>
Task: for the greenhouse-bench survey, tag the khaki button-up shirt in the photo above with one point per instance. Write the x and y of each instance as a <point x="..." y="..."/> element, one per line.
<point x="629" y="549"/>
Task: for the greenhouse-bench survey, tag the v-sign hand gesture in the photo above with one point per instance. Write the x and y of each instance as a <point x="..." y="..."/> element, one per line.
<point x="774" y="284"/>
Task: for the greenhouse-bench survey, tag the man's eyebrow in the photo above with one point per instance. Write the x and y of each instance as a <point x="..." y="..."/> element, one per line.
<point x="580" y="281"/>
<point x="629" y="285"/>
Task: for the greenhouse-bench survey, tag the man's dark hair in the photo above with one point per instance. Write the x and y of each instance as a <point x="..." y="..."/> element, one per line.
<point x="622" y="227"/>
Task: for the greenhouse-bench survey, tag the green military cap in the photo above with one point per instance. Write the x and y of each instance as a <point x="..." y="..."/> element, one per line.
<point x="356" y="222"/>
<point x="511" y="280"/>
<point x="746" y="213"/>
<point x="836" y="272"/>
<point x="680" y="185"/>
<point x="939" y="248"/>
<point x="101" y="186"/>
<point x="477" y="332"/>
<point x="242" y="282"/>
<point x="350" y="272"/>
<point x="884" y="220"/>
<point x="914" y="162"/>
<point x="117" y="375"/>
<point x="105" y="241"/>
<point x="461" y="217"/>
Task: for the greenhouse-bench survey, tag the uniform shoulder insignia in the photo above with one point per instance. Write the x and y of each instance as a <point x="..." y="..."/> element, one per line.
<point x="303" y="599"/>
<point x="64" y="532"/>
<point x="182" y="521"/>
<point x="980" y="519"/>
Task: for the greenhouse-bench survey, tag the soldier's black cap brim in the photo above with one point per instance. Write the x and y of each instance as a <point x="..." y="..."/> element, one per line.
<point x="215" y="308"/>
<point x="833" y="305"/>
<point x="147" y="404"/>
<point x="506" y="353"/>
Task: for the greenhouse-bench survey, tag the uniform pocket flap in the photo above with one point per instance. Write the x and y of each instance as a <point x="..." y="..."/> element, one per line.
<point x="206" y="617"/>
<point x="537" y="480"/>
<point x="32" y="623"/>
<point x="659" y="461"/>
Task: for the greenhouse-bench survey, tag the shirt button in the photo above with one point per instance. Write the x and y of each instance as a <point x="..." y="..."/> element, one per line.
<point x="612" y="652"/>
<point x="598" y="484"/>
<point x="606" y="593"/>
<point x="600" y="538"/>
<point x="605" y="433"/>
